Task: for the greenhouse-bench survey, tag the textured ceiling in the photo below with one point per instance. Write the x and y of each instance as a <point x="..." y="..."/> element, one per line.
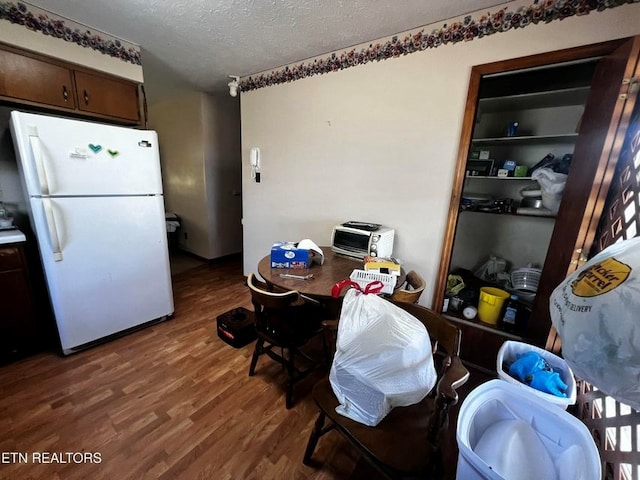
<point x="206" y="40"/>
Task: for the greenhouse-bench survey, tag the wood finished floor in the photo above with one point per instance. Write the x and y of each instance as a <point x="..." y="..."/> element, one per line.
<point x="171" y="401"/>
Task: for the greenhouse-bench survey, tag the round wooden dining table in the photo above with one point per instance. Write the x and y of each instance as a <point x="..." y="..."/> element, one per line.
<point x="334" y="269"/>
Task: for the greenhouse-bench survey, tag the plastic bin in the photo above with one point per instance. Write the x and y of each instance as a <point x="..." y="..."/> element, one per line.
<point x="490" y="304"/>
<point x="511" y="350"/>
<point x="172" y="222"/>
<point x="566" y="444"/>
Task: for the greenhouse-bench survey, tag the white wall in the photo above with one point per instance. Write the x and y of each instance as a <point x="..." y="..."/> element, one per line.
<point x="378" y="142"/>
<point x="221" y="117"/>
<point x="200" y="155"/>
<point x="178" y="121"/>
<point x="22" y="37"/>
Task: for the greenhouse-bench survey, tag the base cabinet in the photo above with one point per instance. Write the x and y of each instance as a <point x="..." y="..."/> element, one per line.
<point x="18" y="330"/>
<point x="479" y="346"/>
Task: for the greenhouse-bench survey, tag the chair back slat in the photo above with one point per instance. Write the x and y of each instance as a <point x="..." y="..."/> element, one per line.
<point x="267" y="299"/>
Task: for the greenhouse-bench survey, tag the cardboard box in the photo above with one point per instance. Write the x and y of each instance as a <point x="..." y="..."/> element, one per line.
<point x="286" y="255"/>
<point x="484" y="155"/>
<point x="381" y="265"/>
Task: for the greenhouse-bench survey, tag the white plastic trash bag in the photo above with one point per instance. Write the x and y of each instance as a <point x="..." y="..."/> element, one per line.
<point x="383" y="358"/>
<point x="552" y="186"/>
<point x="596" y="312"/>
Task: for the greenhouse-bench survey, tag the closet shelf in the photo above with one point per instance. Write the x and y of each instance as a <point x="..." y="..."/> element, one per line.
<point x="525" y="139"/>
<point x="484" y="177"/>
<point x="529" y="101"/>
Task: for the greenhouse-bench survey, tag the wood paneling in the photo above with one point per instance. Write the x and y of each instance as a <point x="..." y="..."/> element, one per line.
<point x="172" y="401"/>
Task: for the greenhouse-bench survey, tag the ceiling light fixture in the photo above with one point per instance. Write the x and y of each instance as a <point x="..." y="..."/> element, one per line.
<point x="234" y="85"/>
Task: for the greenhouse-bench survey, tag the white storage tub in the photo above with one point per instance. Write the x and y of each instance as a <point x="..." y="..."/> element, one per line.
<point x="566" y="444"/>
<point x="511" y="351"/>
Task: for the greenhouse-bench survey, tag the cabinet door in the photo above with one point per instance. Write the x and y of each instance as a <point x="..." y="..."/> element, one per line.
<point x="107" y="96"/>
<point x="27" y="78"/>
<point x="18" y="332"/>
<point x="604" y="125"/>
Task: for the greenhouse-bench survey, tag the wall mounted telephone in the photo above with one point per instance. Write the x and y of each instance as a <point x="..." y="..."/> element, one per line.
<point x="254" y="160"/>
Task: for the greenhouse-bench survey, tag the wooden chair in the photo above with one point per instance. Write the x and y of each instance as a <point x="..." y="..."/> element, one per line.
<point x="411" y="291"/>
<point x="286" y="321"/>
<point x="407" y="441"/>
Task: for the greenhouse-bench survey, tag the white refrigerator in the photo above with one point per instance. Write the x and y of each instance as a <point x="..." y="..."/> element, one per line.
<point x="94" y="194"/>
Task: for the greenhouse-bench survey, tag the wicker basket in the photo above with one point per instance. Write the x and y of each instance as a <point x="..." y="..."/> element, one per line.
<point x="364" y="278"/>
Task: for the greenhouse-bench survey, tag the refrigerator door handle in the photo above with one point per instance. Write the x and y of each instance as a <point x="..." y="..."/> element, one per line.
<point x="36" y="148"/>
<point x="52" y="229"/>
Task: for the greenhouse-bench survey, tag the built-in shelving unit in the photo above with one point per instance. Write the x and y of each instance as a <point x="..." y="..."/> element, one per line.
<point x="547" y="107"/>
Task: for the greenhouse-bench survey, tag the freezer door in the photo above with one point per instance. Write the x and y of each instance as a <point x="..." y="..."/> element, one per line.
<point x="112" y="272"/>
<point x="59" y="156"/>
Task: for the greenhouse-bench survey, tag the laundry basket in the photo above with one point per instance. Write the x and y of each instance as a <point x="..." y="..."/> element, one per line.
<point x="491" y="449"/>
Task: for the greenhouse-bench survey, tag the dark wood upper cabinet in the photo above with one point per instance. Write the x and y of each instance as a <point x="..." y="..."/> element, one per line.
<point x="34" y="80"/>
<point x="541" y="90"/>
<point x="31" y="79"/>
<point x="107" y="96"/>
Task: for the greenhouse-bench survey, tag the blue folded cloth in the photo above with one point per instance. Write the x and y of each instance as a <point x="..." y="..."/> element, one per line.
<point x="533" y="370"/>
<point x="549" y="382"/>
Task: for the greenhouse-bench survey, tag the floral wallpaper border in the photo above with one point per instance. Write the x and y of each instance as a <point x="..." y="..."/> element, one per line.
<point x="42" y="21"/>
<point x="540" y="11"/>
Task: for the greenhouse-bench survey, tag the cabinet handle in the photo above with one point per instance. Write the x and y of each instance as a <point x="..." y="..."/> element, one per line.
<point x="86" y="97"/>
<point x="65" y="93"/>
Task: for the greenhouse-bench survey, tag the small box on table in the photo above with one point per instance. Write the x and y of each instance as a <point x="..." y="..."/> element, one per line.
<point x="287" y="255"/>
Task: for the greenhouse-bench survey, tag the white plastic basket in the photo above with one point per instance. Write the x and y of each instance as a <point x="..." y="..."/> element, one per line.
<point x="526" y="279"/>
<point x="511" y="351"/>
<point x="364" y="278"/>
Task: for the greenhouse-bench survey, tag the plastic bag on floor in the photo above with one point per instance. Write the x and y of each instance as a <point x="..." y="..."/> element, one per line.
<point x="595" y="311"/>
<point x="383" y="358"/>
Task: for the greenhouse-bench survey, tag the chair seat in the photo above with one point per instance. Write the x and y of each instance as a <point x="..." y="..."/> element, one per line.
<point x="399" y="441"/>
<point x="407" y="442"/>
<point x="294" y="327"/>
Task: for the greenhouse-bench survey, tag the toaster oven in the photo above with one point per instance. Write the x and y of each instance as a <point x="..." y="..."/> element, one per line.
<point x="359" y="241"/>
